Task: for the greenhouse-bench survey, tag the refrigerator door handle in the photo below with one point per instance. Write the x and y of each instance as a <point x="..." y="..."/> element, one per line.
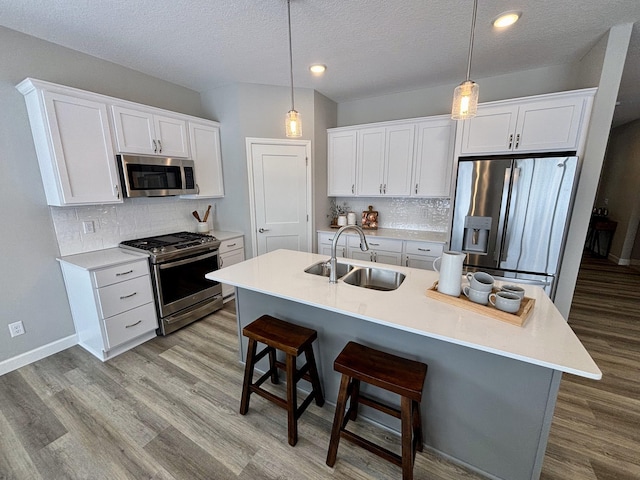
<point x="504" y="205"/>
<point x="514" y="194"/>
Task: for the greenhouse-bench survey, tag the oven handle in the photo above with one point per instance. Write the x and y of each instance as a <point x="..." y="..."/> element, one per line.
<point x="195" y="258"/>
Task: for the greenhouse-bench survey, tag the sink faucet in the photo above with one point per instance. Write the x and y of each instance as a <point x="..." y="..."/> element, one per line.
<point x="364" y="246"/>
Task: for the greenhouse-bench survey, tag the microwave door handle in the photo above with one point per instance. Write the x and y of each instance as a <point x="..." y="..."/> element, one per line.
<point x="164" y="266"/>
<point x="504" y="204"/>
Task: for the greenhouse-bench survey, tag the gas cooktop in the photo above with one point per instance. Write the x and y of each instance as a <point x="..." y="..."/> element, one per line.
<point x="172" y="244"/>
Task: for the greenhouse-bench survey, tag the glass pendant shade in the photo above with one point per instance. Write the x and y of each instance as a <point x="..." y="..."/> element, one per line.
<point x="465" y="101"/>
<point x="293" y="124"/>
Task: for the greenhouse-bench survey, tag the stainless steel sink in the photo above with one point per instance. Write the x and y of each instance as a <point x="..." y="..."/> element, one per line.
<point x="374" y="278"/>
<point x="322" y="268"/>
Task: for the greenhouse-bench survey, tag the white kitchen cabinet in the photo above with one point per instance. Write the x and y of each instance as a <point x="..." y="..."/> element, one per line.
<point x="111" y="300"/>
<point x="385" y="159"/>
<point x="73" y="143"/>
<point x="145" y="132"/>
<point x="231" y="252"/>
<point x="325" y="240"/>
<point x="204" y="138"/>
<point x="381" y="250"/>
<point x="421" y="254"/>
<point x="434" y="157"/>
<point x="341" y="162"/>
<point x="540" y="124"/>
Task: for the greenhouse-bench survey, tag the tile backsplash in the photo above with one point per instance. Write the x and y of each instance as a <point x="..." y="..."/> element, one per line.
<point x="403" y="213"/>
<point x="135" y="218"/>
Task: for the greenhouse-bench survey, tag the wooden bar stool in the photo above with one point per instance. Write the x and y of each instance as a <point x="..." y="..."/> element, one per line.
<point x="358" y="363"/>
<point x="292" y="340"/>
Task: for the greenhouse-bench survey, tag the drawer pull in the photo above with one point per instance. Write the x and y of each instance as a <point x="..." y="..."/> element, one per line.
<point x="424" y="249"/>
<point x="133" y="324"/>
<point x="124" y="273"/>
<point x="231" y="245"/>
<point x="128" y="296"/>
<point x="374" y="244"/>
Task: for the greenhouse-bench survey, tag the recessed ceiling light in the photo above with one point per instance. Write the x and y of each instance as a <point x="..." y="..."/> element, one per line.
<point x="318" y="69"/>
<point x="506" y="18"/>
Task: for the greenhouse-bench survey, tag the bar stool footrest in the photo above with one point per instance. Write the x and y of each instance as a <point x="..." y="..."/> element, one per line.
<point x="372" y="447"/>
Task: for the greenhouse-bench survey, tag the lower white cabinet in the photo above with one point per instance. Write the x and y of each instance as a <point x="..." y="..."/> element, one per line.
<point x="231" y="252"/>
<point x="421" y="254"/>
<point x="381" y="250"/>
<point x="111" y="300"/>
<point x="324" y="244"/>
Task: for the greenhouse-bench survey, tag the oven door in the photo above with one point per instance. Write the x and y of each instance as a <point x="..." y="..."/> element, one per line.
<point x="180" y="283"/>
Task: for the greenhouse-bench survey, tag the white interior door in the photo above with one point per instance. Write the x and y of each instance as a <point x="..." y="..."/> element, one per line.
<point x="281" y="195"/>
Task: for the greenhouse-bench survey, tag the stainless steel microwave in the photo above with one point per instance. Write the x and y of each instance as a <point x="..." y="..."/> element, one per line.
<point x="156" y="176"/>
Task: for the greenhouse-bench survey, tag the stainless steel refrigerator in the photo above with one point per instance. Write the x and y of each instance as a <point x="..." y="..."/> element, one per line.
<point x="510" y="216"/>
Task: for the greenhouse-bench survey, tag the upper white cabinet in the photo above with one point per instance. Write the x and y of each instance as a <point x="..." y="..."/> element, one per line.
<point x="147" y="133"/>
<point x="434" y="157"/>
<point x="73" y="143"/>
<point x="204" y="138"/>
<point x="385" y="159"/>
<point x="549" y="123"/>
<point x="341" y="147"/>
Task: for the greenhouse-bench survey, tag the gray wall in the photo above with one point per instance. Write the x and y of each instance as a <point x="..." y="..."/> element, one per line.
<point x="619" y="185"/>
<point x="31" y="286"/>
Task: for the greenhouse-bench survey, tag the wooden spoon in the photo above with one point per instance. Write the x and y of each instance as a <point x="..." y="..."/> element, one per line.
<point x="195" y="214"/>
<point x="206" y="214"/>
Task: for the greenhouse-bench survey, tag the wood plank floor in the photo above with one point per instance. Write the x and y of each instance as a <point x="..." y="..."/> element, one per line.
<point x="168" y="409"/>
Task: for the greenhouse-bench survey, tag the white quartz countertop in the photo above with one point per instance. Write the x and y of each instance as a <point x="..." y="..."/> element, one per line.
<point x="545" y="340"/>
<point x="103" y="258"/>
<point x="418" y="235"/>
<point x="224" y="235"/>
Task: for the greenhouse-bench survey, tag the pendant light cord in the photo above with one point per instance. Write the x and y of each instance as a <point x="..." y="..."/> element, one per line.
<point x="291" y="51"/>
<point x="473" y="29"/>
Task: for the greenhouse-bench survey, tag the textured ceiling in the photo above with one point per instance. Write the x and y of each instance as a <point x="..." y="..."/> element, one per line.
<point x="371" y="47"/>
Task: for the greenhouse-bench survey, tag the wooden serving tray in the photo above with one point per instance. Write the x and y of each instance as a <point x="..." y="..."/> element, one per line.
<point x="489" y="310"/>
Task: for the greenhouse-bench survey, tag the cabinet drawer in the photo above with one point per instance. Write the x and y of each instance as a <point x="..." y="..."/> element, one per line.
<point x="130" y="324"/>
<point x="119" y="297"/>
<point x="388" y="244"/>
<point x="232" y="244"/>
<point x="327" y="237"/>
<point x="424" y="248"/>
<point x="120" y="273"/>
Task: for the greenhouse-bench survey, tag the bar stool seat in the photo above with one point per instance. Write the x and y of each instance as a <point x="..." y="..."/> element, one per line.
<point x="358" y="363"/>
<point x="293" y="340"/>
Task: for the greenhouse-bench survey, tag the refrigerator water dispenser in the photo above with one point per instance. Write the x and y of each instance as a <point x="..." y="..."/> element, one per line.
<point x="476" y="235"/>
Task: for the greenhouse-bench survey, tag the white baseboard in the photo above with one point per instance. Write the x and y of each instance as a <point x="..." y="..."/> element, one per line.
<point x="36" y="354"/>
<point x="619" y="261"/>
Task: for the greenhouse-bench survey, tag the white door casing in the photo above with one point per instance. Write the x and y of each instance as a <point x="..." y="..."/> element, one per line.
<point x="280" y="194"/>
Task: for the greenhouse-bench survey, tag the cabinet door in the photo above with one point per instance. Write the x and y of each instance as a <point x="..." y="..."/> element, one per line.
<point x="341" y="163"/>
<point x="205" y="152"/>
<point x="83" y="159"/>
<point x="552" y="124"/>
<point x="358" y="254"/>
<point x="434" y="159"/>
<point x="135" y="132"/>
<point x="341" y="251"/>
<point x="398" y="160"/>
<point x="390" y="258"/>
<point x="491" y="131"/>
<point x="171" y="136"/>
<point x="371" y="161"/>
<point x="419" y="261"/>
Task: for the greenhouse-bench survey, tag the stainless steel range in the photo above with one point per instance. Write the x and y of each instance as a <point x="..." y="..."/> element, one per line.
<point x="179" y="262"/>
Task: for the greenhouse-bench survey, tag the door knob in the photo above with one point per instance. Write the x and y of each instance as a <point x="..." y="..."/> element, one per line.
<point x="262" y="230"/>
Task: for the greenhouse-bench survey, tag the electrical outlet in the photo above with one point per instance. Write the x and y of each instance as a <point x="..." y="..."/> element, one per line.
<point x="16" y="329"/>
<point x="88" y="226"/>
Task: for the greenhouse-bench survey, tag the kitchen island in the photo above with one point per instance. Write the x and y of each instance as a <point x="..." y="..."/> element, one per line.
<point x="491" y="387"/>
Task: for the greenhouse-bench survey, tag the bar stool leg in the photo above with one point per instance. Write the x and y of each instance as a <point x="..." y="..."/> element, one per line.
<point x="248" y="376"/>
<point x="313" y="373"/>
<point x="338" y="418"/>
<point x="417" y="426"/>
<point x="292" y="402"/>
<point x="272" y="366"/>
<point x="355" y="399"/>
<point x="407" y="444"/>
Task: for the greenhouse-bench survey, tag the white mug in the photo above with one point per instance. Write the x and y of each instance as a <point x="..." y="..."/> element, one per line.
<point x="513" y="289"/>
<point x="450" y="270"/>
<point x="476" y="296"/>
<point x="480" y="281"/>
<point x="505" y="301"/>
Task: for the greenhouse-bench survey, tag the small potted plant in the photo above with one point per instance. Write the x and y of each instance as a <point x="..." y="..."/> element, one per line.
<point x="336" y="211"/>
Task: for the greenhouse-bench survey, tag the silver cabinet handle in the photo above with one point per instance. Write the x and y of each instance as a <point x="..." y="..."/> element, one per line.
<point x="510" y="141"/>
<point x="424" y="249"/>
<point x="221" y="262"/>
<point x="155" y="147"/>
<point x="262" y="230"/>
<point x="133" y="324"/>
<point x="517" y="140"/>
<point x="353" y="188"/>
<point x="128" y="296"/>
<point x="124" y="273"/>
<point x="344" y="252"/>
<point x="384" y="189"/>
<point x="416" y="188"/>
<point x="117" y="190"/>
<point x="406" y="262"/>
<point x="375" y="256"/>
<point x="159" y="146"/>
<point x="231" y="245"/>
<point x="380" y="189"/>
<point x="197" y="189"/>
<point x="374" y="244"/>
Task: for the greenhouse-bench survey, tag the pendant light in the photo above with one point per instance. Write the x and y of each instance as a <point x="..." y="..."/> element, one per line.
<point x="465" y="96"/>
<point x="293" y="123"/>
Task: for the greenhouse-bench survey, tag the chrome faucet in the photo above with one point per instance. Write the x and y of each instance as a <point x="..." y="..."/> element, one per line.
<point x="364" y="246"/>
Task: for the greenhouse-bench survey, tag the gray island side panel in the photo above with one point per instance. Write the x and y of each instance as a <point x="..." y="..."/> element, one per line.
<point x="485" y="411"/>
